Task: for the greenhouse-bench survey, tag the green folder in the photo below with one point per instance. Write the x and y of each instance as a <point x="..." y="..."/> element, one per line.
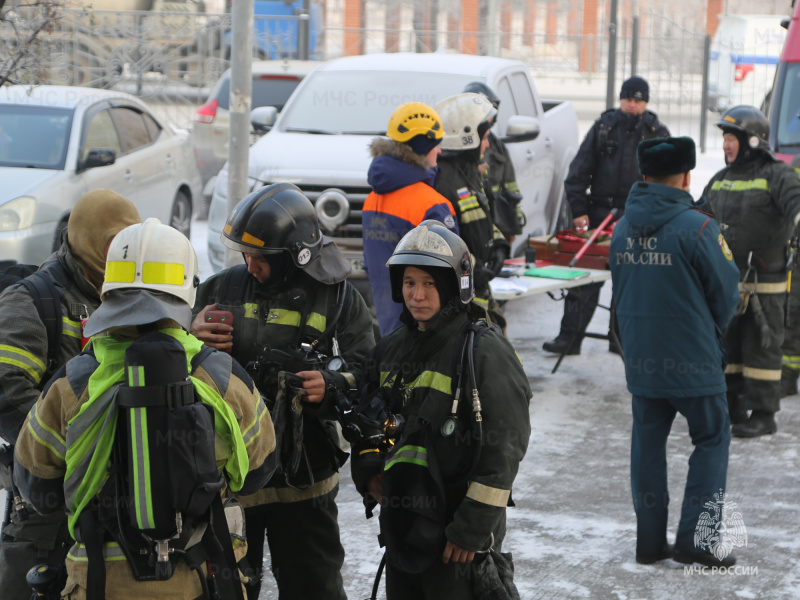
<point x="556" y="273"/>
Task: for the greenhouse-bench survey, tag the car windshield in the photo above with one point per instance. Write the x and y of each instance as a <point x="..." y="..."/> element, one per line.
<point x="268" y="90"/>
<point x="34" y="136"/>
<point x="788" y="134"/>
<point x="362" y="102"/>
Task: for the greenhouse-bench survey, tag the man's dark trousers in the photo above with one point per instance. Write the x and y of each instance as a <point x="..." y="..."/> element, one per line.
<point x="709" y="428"/>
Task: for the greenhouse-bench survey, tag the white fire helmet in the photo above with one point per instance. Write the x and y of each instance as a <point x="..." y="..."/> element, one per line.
<point x="152" y="256"/>
<point x="462" y="116"/>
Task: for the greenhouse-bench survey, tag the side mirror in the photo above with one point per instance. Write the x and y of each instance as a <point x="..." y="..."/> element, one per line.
<point x="263" y="118"/>
<point x="98" y="157"/>
<point x="522" y="129"/>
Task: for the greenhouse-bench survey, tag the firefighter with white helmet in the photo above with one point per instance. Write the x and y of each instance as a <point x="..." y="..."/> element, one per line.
<point x="459" y="399"/>
<point x="467" y="118"/>
<point x="150" y="285"/>
<point x="756" y="200"/>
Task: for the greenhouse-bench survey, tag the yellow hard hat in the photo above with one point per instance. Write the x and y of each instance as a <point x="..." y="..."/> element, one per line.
<point x="412" y="119"/>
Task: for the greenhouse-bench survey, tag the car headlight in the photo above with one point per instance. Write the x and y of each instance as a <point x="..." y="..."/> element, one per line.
<point x="17" y="214"/>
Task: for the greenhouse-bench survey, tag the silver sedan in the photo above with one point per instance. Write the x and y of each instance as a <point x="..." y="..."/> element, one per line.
<point x="57" y="143"/>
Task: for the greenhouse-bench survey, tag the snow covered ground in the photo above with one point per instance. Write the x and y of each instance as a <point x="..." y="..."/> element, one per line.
<point x="572" y="532"/>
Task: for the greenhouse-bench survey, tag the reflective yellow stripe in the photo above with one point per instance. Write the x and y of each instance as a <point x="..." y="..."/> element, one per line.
<point x="473" y="215"/>
<point x="251" y="239"/>
<point x="791" y="362"/>
<point x="252" y="430"/>
<point x="162" y="273"/>
<point x="482" y="302"/>
<point x="250" y="310"/>
<point x="111" y="552"/>
<point x="434" y="381"/>
<point x="280" y="316"/>
<point x="733" y="369"/>
<point x="468" y="203"/>
<point x="741" y="185"/>
<point x="26" y="361"/>
<point x="272" y="495"/>
<point x="118" y="271"/>
<point x="762" y="374"/>
<point x="71" y="328"/>
<point x="488" y="495"/>
<point x="414" y="455"/>
<point x="763" y="288"/>
<point x="512" y="186"/>
<point x="46" y="436"/>
<point x="426" y="379"/>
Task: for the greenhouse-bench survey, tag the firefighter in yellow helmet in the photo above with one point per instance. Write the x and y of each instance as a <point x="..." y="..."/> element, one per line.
<point x="402" y="174"/>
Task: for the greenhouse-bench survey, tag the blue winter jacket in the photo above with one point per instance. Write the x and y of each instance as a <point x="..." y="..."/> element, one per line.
<point x="675" y="291"/>
<point x="403" y="196"/>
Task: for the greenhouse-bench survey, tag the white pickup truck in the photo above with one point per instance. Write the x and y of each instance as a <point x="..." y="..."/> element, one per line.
<point x="320" y="140"/>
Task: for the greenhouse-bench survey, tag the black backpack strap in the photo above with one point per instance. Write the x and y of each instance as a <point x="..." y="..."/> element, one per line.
<point x="233" y="285"/>
<point x="92" y="534"/>
<point x="47" y="299"/>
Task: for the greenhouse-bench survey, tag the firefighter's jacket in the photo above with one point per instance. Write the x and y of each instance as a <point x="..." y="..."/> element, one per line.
<point x="602" y="173"/>
<point x="426" y="363"/>
<point x="460" y="182"/>
<point x="23" y="351"/>
<point x="675" y="291"/>
<point x="281" y="317"/>
<point x="402" y="198"/>
<point x="62" y="453"/>
<point x="757" y="205"/>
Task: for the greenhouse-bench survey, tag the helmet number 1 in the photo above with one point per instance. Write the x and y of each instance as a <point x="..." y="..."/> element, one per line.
<point x="466" y="140"/>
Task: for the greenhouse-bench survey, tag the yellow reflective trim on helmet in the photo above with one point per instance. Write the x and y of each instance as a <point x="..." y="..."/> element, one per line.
<point x="119" y="271"/>
<point x="163" y="273"/>
<point x="252" y="240"/>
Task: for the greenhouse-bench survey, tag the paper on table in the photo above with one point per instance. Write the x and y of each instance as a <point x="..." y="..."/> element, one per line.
<point x="510" y="286"/>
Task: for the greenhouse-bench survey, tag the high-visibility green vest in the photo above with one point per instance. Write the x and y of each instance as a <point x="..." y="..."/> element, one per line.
<point x="91" y="433"/>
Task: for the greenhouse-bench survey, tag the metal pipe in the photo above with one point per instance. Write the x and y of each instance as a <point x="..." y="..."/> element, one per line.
<point x="240" y="102"/>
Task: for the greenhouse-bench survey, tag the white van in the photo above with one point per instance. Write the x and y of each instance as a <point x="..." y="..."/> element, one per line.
<point x="744" y="56"/>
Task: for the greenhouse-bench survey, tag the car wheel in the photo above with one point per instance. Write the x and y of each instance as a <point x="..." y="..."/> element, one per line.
<point x="60" y="228"/>
<point x="181" y="216"/>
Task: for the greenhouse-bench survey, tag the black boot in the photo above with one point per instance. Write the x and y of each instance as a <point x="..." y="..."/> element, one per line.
<point x="560" y="345"/>
<point x="736" y="409"/>
<point x="789" y="381"/>
<point x="760" y="423"/>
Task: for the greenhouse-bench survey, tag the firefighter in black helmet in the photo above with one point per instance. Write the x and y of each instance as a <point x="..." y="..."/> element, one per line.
<point x="756" y="200"/>
<point x="499" y="178"/>
<point x="444" y="480"/>
<point x="293" y="309"/>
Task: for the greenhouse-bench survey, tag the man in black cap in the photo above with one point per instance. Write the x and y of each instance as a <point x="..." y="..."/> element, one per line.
<point x="599" y="179"/>
<point x="675" y="290"/>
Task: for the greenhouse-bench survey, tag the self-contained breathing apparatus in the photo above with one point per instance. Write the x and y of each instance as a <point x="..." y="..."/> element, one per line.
<point x="161" y="502"/>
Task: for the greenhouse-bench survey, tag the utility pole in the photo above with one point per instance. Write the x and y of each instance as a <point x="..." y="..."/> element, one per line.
<point x="240" y="103"/>
<point x="612" y="55"/>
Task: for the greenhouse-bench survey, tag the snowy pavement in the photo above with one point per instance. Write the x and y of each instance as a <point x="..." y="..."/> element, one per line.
<point x="573" y="531"/>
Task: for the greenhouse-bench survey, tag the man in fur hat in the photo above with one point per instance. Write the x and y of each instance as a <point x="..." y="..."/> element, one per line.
<point x="675" y="289"/>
